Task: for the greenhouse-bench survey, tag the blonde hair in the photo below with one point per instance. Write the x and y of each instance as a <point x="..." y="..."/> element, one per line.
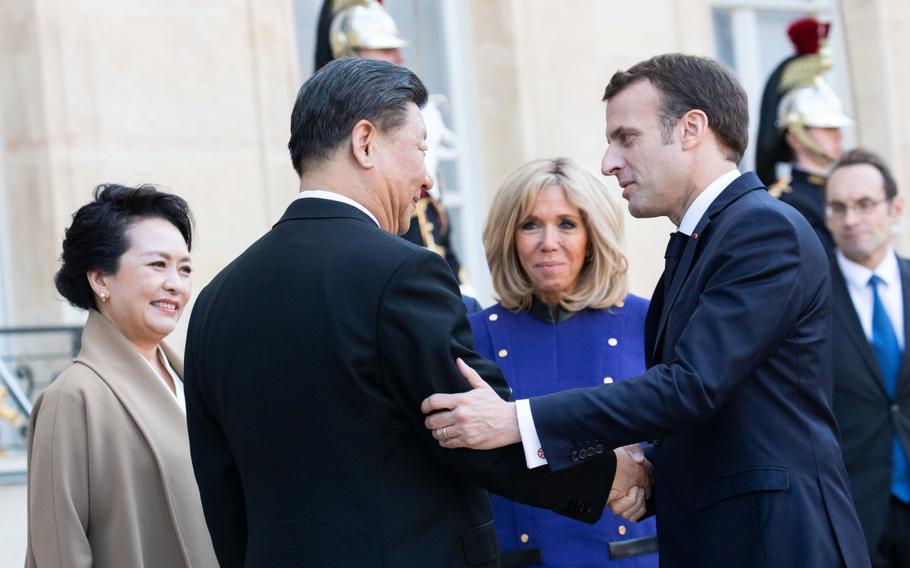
<point x="603" y="280"/>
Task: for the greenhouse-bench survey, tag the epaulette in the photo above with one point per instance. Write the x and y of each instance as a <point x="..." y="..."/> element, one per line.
<point x="780" y="187"/>
<point x="815" y="180"/>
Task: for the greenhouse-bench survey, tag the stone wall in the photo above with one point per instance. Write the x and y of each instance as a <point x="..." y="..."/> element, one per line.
<point x="195" y="96"/>
<point x="878" y="49"/>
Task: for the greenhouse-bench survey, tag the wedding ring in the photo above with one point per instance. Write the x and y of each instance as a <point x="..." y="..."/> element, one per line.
<point x="444" y="435"/>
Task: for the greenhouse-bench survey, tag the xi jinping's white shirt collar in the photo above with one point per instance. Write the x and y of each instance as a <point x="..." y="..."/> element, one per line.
<point x="332" y="196"/>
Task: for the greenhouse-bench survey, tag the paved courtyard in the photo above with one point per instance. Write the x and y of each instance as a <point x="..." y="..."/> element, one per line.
<point x="12" y="525"/>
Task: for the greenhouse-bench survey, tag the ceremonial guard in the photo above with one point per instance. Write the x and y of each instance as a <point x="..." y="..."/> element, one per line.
<point x="800" y="124"/>
<point x="363" y="28"/>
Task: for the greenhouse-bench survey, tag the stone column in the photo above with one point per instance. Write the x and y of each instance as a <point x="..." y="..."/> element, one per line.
<point x="878" y="49"/>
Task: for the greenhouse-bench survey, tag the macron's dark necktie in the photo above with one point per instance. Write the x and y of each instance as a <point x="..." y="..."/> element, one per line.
<point x="671" y="258"/>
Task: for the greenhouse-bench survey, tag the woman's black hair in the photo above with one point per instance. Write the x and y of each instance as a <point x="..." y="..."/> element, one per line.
<point x="97" y="237"/>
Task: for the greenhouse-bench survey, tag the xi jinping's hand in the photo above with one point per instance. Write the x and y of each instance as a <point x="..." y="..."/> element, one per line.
<point x="631" y="484"/>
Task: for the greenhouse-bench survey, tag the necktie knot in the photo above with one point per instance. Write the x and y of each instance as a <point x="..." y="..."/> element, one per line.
<point x="676" y="245"/>
<point x="874" y="281"/>
<point x="674" y="251"/>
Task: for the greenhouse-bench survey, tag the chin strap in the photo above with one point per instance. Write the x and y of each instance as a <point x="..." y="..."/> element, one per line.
<point x="796" y="128"/>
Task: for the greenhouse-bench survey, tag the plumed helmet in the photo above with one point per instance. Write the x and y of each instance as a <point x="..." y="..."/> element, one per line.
<point x="346" y="26"/>
<point x="796" y="97"/>
<point x="815" y="106"/>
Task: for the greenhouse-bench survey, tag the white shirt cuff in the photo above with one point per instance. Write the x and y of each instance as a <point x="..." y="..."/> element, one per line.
<point x="529" y="440"/>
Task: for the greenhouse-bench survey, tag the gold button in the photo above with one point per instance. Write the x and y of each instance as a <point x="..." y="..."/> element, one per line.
<point x="494" y="317"/>
<point x="612" y="342"/>
<point x="608" y="380"/>
<point x="524" y="538"/>
<point x="621" y="530"/>
<point x="503" y="353"/>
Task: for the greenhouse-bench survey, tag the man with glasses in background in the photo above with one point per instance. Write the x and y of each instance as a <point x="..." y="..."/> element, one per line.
<point x="871" y="372"/>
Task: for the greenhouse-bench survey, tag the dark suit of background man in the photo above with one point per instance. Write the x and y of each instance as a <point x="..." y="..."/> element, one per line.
<point x="737" y="396"/>
<point x="871" y="297"/>
<point x="308" y="356"/>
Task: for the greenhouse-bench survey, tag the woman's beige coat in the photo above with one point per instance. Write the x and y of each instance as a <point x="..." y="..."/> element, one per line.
<point x="110" y="482"/>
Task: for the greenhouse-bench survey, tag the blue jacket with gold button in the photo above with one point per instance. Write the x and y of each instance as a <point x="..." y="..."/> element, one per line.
<point x="542" y="352"/>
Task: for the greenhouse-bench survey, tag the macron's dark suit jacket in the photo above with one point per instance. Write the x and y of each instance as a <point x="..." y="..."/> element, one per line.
<point x="737" y="395"/>
<point x="307" y="359"/>
<point x="867" y="416"/>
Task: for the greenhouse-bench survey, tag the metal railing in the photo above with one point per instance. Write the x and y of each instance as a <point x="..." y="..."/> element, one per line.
<point x="30" y="359"/>
<point x="23" y="363"/>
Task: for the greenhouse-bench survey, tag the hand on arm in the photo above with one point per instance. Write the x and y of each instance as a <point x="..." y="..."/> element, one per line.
<point x="632" y="483"/>
<point x="478" y="419"/>
<point x="418" y="356"/>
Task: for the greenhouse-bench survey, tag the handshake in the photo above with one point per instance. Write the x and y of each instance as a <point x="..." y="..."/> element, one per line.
<point x="479" y="419"/>
<point x="631" y="484"/>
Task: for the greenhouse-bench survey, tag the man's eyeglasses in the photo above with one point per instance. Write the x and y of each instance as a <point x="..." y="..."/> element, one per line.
<point x="862" y="207"/>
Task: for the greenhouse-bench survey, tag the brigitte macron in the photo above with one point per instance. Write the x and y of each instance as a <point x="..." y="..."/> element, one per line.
<point x="565" y="319"/>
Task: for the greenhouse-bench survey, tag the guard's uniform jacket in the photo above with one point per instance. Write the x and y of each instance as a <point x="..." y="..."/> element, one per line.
<point x="805" y="192"/>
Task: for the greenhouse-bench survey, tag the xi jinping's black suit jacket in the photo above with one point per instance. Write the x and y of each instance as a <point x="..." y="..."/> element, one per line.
<point x="867" y="416"/>
<point x="307" y="359"/>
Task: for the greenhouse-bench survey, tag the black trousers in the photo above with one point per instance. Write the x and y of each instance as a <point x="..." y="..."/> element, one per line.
<point x="893" y="550"/>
